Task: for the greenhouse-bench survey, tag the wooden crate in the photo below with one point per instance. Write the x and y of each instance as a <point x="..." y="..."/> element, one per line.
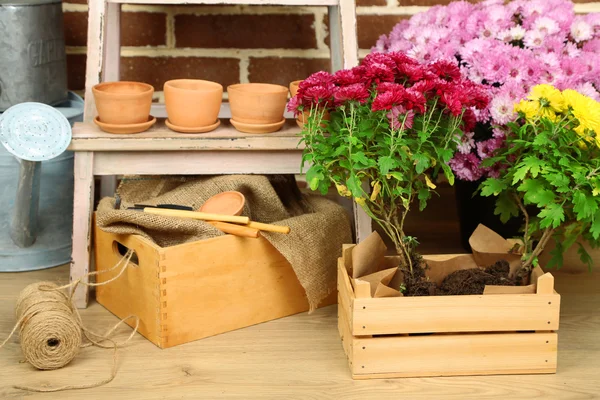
<point x="195" y="290"/>
<point x="448" y="335"/>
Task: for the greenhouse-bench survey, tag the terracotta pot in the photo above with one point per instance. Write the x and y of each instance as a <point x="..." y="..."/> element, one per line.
<point x="294" y="87"/>
<point x="257" y="103"/>
<point x="193" y="103"/>
<point x="123" y="103"/>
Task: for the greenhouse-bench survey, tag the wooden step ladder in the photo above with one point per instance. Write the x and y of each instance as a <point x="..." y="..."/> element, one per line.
<point x="161" y="151"/>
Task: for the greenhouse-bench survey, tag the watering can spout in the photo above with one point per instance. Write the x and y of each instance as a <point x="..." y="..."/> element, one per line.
<point x="24" y="223"/>
<point x="33" y="132"/>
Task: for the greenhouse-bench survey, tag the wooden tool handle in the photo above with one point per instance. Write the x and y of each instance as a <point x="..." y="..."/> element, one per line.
<point x="237" y="230"/>
<point x="268" y="227"/>
<point x="197" y="215"/>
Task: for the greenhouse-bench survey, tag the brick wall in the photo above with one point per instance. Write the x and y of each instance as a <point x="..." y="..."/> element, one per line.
<point x="231" y="44"/>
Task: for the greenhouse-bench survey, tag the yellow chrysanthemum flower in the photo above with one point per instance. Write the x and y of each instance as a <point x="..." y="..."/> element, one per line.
<point x="548" y="96"/>
<point x="585" y="109"/>
<point x="528" y="108"/>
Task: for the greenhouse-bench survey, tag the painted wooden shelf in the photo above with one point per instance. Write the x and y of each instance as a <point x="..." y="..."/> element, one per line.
<point x="88" y="137"/>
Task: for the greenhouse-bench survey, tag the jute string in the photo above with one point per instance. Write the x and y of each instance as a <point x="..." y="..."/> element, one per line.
<point x="52" y="331"/>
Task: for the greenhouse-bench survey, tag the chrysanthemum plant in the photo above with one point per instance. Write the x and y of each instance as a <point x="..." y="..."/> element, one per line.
<point x="383" y="131"/>
<point x="551" y="173"/>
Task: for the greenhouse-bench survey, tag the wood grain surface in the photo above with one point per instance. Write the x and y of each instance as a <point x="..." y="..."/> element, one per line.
<point x="298" y="357"/>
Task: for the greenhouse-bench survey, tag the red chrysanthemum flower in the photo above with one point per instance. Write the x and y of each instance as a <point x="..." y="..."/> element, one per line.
<point x="469" y="120"/>
<point x="386" y="100"/>
<point x="379" y="58"/>
<point x="320" y="95"/>
<point x="377" y="73"/>
<point x="356" y="92"/>
<point x="347" y="77"/>
<point x="317" y="79"/>
<point x="445" y="70"/>
<point x="414" y="100"/>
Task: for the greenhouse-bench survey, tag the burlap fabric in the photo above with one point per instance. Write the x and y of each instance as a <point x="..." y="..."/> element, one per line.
<point x="319" y="226"/>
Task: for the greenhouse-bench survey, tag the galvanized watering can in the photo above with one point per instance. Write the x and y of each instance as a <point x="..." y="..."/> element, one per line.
<point x="36" y="198"/>
<point x="32" y="53"/>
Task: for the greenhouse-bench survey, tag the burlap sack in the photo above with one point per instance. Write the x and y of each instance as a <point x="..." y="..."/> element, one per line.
<point x="319" y="226"/>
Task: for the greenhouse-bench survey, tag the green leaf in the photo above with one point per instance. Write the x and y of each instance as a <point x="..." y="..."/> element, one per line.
<point x="354" y="185"/>
<point x="534" y="165"/>
<point x="421" y="162"/>
<point x="584" y="256"/>
<point x="492" y="186"/>
<point x="506" y="207"/>
<point x="559" y="181"/>
<point x="449" y="174"/>
<point x="360" y="158"/>
<point x="542" y="139"/>
<point x="386" y="164"/>
<point x="556" y="259"/>
<point x="314" y="176"/>
<point x="584" y="206"/>
<point x="536" y="193"/>
<point x="398" y="175"/>
<point x="520" y="174"/>
<point x="445" y="154"/>
<point x="595" y="226"/>
<point x="553" y="215"/>
<point x="424" y="195"/>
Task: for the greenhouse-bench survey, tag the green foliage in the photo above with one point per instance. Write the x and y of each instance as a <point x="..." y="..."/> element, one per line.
<point x="356" y="148"/>
<point x="553" y="175"/>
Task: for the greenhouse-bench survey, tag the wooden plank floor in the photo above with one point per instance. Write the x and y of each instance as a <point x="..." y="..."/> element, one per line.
<point x="298" y="357"/>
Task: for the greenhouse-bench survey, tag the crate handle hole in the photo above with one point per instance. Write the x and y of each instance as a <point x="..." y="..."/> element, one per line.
<point x="122" y="250"/>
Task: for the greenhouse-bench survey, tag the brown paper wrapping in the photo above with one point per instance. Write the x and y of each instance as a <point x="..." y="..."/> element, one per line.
<point x="369" y="264"/>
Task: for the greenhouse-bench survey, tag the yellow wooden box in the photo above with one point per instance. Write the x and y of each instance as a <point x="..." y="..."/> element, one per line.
<point x="448" y="335"/>
<point x="195" y="290"/>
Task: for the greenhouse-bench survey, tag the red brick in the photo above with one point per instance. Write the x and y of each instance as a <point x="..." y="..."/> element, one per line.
<point x="363" y="3"/>
<point x="76" y="71"/>
<point x="371" y="27"/>
<point x="75" y="28"/>
<point x="270" y="31"/>
<point x="143" y="29"/>
<point x="282" y="71"/>
<point x="157" y="70"/>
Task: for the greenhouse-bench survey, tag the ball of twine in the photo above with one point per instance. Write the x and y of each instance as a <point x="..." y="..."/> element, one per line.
<point x="50" y="330"/>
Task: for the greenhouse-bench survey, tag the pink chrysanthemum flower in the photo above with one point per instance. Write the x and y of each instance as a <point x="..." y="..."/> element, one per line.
<point x="502" y="109"/>
<point x="466" y="143"/>
<point x="466" y="166"/>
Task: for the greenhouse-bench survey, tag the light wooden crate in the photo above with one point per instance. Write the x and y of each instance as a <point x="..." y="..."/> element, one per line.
<point x="448" y="335"/>
<point x="195" y="290"/>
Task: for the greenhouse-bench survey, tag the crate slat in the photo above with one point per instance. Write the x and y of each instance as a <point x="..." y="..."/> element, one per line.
<point x="446" y="355"/>
<point x="484" y="313"/>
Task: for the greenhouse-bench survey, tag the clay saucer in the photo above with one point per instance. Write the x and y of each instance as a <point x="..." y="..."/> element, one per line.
<point x="257" y="128"/>
<point x="127" y="128"/>
<point x="185" y="129"/>
<point x="225" y="203"/>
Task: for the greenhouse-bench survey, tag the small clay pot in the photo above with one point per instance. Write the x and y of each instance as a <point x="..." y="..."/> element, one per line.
<point x="193" y="103"/>
<point x="225" y="203"/>
<point x="257" y="103"/>
<point x="123" y="103"/>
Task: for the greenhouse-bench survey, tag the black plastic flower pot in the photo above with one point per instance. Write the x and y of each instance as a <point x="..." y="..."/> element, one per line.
<point x="474" y="209"/>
